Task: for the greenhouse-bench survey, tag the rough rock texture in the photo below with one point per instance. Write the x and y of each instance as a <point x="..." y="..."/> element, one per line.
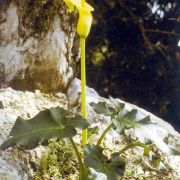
<point x="37" y="42"/>
<point x="161" y="133"/>
<point x="16" y="163"/>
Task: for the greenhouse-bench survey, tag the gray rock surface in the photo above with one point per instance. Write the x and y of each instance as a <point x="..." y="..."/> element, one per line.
<point x="161" y="133"/>
<point x="16" y="163"/>
<point x="34" y="57"/>
<point x="19" y="164"/>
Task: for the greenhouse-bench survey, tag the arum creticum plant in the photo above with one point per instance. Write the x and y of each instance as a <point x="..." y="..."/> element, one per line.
<point x="83" y="29"/>
<point x="59" y="123"/>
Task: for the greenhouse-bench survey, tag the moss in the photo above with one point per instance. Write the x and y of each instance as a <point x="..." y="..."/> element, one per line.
<point x="35" y="17"/>
<point x="4" y="4"/>
<point x="58" y="162"/>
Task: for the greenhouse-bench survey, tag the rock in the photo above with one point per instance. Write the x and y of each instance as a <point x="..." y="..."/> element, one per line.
<point x="74" y="93"/>
<point x="17" y="163"/>
<point x="36" y="45"/>
<point x="161" y="133"/>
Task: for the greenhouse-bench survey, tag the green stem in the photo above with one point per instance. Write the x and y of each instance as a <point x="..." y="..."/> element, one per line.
<point x="83" y="87"/>
<point x="103" y="134"/>
<point x="81" y="166"/>
<point x="134" y="144"/>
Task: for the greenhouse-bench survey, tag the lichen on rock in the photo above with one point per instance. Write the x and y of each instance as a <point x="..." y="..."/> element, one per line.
<point x="37" y="45"/>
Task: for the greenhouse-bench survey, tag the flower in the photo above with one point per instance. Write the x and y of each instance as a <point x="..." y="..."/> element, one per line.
<point x="85" y="16"/>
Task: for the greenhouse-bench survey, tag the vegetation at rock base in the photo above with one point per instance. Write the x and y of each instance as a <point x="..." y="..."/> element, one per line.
<point x="58" y="161"/>
<point x="94" y="159"/>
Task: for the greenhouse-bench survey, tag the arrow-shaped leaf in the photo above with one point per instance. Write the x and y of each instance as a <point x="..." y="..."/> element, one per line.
<point x="127" y="119"/>
<point x="54" y="122"/>
<point x="103" y="108"/>
<point x="94" y="158"/>
<point x="124" y="121"/>
<point x="145" y="121"/>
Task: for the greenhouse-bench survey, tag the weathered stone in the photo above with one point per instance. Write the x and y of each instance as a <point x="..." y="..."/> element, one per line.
<point x="16" y="163"/>
<point x="36" y="45"/>
<point x="160" y="132"/>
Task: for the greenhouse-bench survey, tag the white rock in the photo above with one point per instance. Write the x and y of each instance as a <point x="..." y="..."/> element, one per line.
<point x="74" y="93"/>
<point x="15" y="163"/>
<point x="24" y="59"/>
<point x="161" y="133"/>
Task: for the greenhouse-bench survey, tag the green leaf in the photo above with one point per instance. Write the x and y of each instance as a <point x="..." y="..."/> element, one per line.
<point x="50" y="123"/>
<point x="116" y="104"/>
<point x="77" y="121"/>
<point x="145" y="121"/>
<point x="94" y="158"/>
<point x="92" y="131"/>
<point x="127" y="119"/>
<point x="108" y="109"/>
<point x="124" y="120"/>
<point x="103" y="108"/>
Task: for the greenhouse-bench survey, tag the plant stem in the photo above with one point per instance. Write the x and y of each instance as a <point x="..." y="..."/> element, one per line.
<point x="83" y="86"/>
<point x="103" y="134"/>
<point x="81" y="166"/>
<point x="134" y="144"/>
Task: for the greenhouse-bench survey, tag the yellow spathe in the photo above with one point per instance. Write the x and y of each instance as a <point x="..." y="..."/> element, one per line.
<point x="85" y="16"/>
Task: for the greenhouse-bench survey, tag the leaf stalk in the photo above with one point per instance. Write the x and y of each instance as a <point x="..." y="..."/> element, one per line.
<point x="81" y="166"/>
<point x="134" y="144"/>
<point x="103" y="134"/>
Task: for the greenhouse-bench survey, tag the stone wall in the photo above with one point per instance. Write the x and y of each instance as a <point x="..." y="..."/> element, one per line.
<point x="37" y="49"/>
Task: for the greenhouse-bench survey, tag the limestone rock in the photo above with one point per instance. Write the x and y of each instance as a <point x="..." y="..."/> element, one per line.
<point x="161" y="133"/>
<point x="17" y="163"/>
<point x="36" y="45"/>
